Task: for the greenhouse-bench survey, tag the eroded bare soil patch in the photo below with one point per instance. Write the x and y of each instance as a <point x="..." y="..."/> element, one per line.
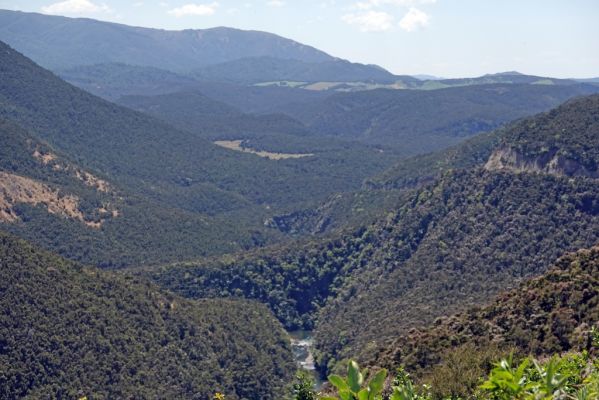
<point x="15" y="189"/>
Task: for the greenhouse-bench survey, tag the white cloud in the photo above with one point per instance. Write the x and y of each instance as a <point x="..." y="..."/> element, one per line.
<point x="413" y="20"/>
<point x="194" y="9"/>
<point x="370" y="21"/>
<point x="75" y="7"/>
<point x="275" y="3"/>
<point x="370" y="4"/>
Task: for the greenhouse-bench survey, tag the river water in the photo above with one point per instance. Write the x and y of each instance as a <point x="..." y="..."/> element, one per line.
<point x="301" y="345"/>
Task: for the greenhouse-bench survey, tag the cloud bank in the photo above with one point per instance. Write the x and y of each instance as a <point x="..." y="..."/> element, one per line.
<point x="194" y="9"/>
<point x="75" y="7"/>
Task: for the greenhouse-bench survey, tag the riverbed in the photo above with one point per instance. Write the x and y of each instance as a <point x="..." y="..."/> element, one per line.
<point x="301" y="345"/>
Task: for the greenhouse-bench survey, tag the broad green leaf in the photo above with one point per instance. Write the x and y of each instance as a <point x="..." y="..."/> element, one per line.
<point x="346" y="395"/>
<point x="399" y="395"/>
<point x="354" y="377"/>
<point x="338" y="382"/>
<point x="377" y="382"/>
<point x="363" y="394"/>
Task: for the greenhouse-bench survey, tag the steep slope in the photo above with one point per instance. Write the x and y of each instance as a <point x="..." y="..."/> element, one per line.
<point x="452" y="243"/>
<point x="112" y="81"/>
<point x="471" y="234"/>
<point x="58" y="43"/>
<point x="84" y="215"/>
<point x="562" y="142"/>
<point x="383" y="193"/>
<point x="69" y="332"/>
<point x="549" y="314"/>
<point x="274" y="133"/>
<point x="174" y="169"/>
<point x="192" y="111"/>
<point x="459" y="242"/>
<point x="423" y="121"/>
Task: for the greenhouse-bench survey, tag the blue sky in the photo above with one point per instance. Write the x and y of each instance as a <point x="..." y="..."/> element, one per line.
<point x="449" y="38"/>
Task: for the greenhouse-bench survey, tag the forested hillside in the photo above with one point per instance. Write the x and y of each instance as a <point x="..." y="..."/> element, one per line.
<point x="548" y="147"/>
<point x="113" y="81"/>
<point x="269" y="69"/>
<point x="70" y="332"/>
<point x="550" y="314"/>
<point x="185" y="176"/>
<point x="189" y="210"/>
<point x="84" y="215"/>
<point x="452" y="243"/>
<point x="423" y="121"/>
<point x="553" y="319"/>
<point x="195" y="112"/>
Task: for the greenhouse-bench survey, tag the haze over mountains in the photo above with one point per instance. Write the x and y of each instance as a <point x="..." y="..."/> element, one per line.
<point x="230" y="168"/>
<point x="59" y="42"/>
<point x="62" y="43"/>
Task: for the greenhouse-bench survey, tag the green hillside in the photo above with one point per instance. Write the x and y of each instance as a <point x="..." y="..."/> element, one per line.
<point x="423" y="121"/>
<point x="192" y="111"/>
<point x="86" y="216"/>
<point x="269" y="69"/>
<point x="223" y="196"/>
<point x="113" y="81"/>
<point x="69" y="331"/>
<point x="132" y="142"/>
<point x="543" y="143"/>
<point x="452" y="243"/>
<point x="546" y="315"/>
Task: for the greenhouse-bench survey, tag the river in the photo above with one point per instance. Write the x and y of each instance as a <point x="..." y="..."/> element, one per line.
<point x="301" y="345"/>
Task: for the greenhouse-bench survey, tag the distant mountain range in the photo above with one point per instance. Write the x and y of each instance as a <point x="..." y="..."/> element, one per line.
<point x="425" y="77"/>
<point x="217" y="54"/>
<point x="61" y="43"/>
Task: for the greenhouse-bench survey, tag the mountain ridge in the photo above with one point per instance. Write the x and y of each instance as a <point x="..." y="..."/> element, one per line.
<point x="464" y="236"/>
<point x="58" y="47"/>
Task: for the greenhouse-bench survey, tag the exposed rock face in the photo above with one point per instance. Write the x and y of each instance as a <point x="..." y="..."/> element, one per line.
<point x="507" y="158"/>
<point x="53" y="161"/>
<point x="15" y="189"/>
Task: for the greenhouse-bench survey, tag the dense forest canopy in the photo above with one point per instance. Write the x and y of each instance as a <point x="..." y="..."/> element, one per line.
<point x="70" y="331"/>
<point x="172" y="201"/>
<point x="454" y="242"/>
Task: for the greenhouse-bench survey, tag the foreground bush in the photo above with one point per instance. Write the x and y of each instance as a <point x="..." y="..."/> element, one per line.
<point x="573" y="376"/>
